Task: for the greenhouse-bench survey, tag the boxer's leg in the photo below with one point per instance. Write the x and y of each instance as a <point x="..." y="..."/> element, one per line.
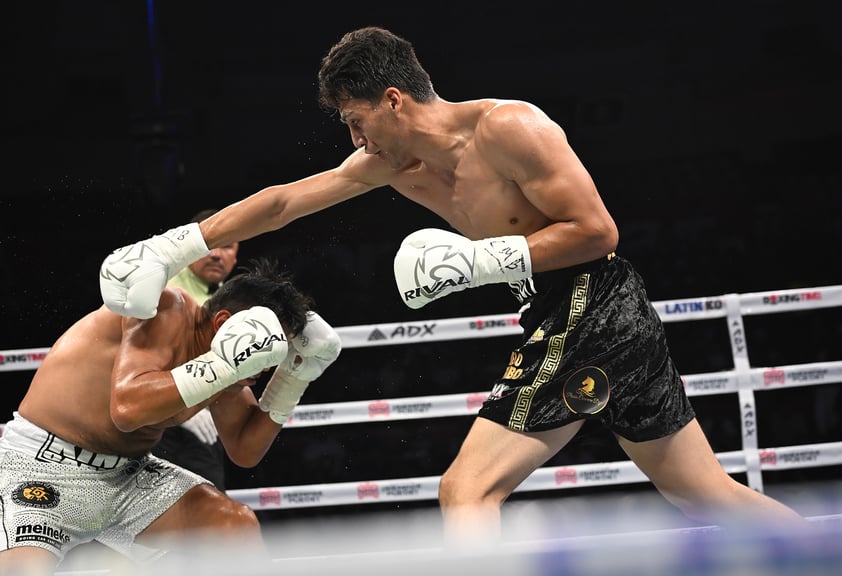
<point x="491" y="463"/>
<point x="684" y="468"/>
<point x="27" y="561"/>
<point x="204" y="511"/>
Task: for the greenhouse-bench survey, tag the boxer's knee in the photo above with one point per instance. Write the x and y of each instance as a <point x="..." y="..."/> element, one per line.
<point x="204" y="508"/>
<point x="27" y="561"/>
<point x="240" y="517"/>
<point x="220" y="511"/>
<point x="457" y="489"/>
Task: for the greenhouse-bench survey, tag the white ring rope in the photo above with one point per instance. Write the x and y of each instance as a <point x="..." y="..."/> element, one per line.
<point x="744" y="380"/>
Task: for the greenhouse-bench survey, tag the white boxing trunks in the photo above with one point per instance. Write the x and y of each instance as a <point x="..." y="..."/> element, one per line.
<point x="55" y="496"/>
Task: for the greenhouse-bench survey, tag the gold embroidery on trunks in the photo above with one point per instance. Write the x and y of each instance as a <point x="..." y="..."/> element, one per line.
<point x="537" y="336"/>
<point x="513" y="370"/>
<point x="587" y="390"/>
<point x="555" y="351"/>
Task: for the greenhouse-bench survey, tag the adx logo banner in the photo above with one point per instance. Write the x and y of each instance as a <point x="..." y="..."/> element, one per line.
<point x="404" y="332"/>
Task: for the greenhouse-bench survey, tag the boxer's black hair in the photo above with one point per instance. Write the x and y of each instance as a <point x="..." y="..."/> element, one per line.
<point x="262" y="282"/>
<point x="367" y="61"/>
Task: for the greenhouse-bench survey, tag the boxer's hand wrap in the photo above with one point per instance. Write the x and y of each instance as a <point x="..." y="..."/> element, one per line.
<point x="433" y="263"/>
<point x="132" y="278"/>
<point x="310" y="353"/>
<point x="246" y="344"/>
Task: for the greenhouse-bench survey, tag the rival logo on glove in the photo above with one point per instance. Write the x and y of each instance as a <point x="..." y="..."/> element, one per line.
<point x="205" y="370"/>
<point x="123" y="262"/>
<point x="432" y="263"/>
<point x="253" y="347"/>
<point x="450" y="270"/>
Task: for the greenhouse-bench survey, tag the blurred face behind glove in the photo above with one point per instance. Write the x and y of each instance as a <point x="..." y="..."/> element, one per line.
<point x="216" y="266"/>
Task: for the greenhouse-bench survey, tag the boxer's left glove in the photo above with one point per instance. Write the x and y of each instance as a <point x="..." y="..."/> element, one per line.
<point x="432" y="263"/>
<point x="310" y="353"/>
<point x="246" y="344"/>
<point x="132" y="278"/>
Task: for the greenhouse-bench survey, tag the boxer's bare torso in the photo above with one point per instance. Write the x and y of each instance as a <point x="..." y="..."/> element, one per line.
<point x="70" y="393"/>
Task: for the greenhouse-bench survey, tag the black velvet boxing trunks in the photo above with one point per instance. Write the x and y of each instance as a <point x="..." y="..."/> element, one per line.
<point x="593" y="347"/>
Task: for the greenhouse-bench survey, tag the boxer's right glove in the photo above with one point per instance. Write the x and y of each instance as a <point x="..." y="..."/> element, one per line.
<point x="310" y="353"/>
<point x="132" y="278"/>
<point x="246" y="344"/>
<point x="432" y="263"/>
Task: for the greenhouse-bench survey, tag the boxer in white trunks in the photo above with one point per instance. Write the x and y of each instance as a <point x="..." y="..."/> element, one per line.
<point x="75" y="462"/>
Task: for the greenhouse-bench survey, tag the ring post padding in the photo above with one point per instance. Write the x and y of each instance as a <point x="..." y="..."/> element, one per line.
<point x="745" y="392"/>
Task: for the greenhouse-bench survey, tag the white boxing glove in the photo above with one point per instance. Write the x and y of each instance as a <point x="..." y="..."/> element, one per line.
<point x="432" y="263"/>
<point x="246" y="344"/>
<point x="132" y="278"/>
<point x="317" y="341"/>
<point x="202" y="426"/>
<point x="310" y="353"/>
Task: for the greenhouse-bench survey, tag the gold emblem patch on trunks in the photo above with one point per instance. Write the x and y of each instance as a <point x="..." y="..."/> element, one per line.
<point x="586" y="391"/>
<point x="36" y="495"/>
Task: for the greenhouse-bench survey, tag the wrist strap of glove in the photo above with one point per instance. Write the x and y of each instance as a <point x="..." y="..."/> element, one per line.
<point x="501" y="259"/>
<point x="182" y="246"/>
<point x="202" y="377"/>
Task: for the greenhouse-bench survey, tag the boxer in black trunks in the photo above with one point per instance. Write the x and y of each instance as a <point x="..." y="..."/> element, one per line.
<point x="563" y="371"/>
<point x="502" y="174"/>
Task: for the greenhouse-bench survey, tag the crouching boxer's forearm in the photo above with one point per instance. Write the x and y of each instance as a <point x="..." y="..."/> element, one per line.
<point x="246" y="431"/>
<point x="248" y="427"/>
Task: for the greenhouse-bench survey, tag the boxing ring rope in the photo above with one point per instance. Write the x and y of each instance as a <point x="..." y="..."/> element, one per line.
<point x="743" y="380"/>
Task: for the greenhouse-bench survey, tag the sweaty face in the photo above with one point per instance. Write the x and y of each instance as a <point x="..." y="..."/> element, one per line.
<point x="374" y="128"/>
<point x="216" y="266"/>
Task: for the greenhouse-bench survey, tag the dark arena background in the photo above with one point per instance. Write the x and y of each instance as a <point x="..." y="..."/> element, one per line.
<point x="713" y="131"/>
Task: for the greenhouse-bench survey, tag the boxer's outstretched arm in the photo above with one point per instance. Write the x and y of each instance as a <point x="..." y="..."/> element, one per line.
<point x="132" y="278"/>
<point x="276" y="206"/>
